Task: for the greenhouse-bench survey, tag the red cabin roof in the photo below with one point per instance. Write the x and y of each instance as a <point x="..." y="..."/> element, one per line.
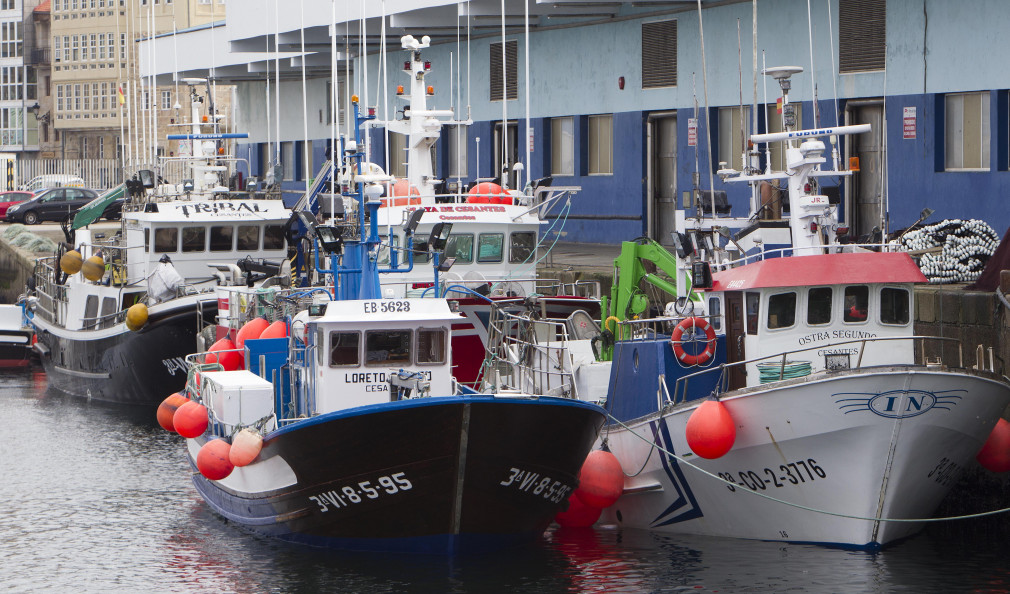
<point x="825" y="269"/>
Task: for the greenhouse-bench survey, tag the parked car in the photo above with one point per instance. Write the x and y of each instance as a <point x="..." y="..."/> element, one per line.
<point x="53" y="180"/>
<point x="8" y="199"/>
<point x="56" y="204"/>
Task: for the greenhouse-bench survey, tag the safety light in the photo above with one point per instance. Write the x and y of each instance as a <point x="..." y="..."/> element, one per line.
<point x="806" y="188"/>
<point x="813" y="227"/>
<point x="399" y="89"/>
<point x="842" y="230"/>
<point x="431" y="90"/>
<point x="354" y="98"/>
<point x="853" y="163"/>
<point x="427" y="65"/>
<point x="406" y="65"/>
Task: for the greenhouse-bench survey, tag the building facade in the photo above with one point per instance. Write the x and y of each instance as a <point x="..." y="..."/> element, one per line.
<point x="629" y="104"/>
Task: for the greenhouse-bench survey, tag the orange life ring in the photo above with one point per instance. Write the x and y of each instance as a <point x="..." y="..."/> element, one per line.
<point x="678" y="345"/>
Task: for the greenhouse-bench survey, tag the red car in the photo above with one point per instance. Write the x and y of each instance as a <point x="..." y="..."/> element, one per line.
<point x="8" y="199"/>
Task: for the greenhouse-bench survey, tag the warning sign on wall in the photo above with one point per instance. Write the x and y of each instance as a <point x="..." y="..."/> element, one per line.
<point x="908" y="123"/>
<point x="692" y="132"/>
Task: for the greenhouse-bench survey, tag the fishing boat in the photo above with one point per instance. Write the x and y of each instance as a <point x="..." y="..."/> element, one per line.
<point x="492" y="234"/>
<point x="347" y="429"/>
<point x="116" y="312"/>
<point x="779" y="398"/>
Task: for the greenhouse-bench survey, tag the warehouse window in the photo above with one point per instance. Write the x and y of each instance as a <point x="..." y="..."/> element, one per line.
<point x="731" y="135"/>
<point x="601" y="145"/>
<point x="659" y="54"/>
<point x="562" y="146"/>
<point x="778" y="149"/>
<point x="862" y="35"/>
<point x="511" y="51"/>
<point x="966" y="131"/>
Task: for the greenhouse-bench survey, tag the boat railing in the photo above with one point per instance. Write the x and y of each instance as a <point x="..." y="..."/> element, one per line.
<point x="779" y="366"/>
<point x="537" y="355"/>
<point x="808" y="251"/>
<point x="269" y="302"/>
<point x="654" y="327"/>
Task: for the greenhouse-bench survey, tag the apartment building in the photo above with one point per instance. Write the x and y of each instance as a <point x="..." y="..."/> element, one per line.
<point x="98" y="105"/>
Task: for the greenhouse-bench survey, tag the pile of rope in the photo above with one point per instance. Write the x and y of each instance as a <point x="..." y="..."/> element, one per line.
<point x="966" y="246"/>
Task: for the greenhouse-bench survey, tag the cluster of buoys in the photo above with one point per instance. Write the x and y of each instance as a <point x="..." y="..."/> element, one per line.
<point x="601" y="482"/>
<point x="966" y="246"/>
<point x="710" y="430"/>
<point x="488" y="193"/>
<point x="223" y="352"/>
<point x="217" y="458"/>
<point x="995" y="454"/>
<point x="93" y="268"/>
<point x="402" y="194"/>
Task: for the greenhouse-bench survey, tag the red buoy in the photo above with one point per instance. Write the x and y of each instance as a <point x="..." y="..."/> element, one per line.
<point x="245" y="446"/>
<point x="191" y="420"/>
<point x="995" y="454"/>
<point x="278" y="329"/>
<point x="167" y="408"/>
<point x="601" y="480"/>
<point x="485" y="192"/>
<point x="230" y="360"/>
<point x="251" y="330"/>
<point x="578" y="514"/>
<point x="213" y="460"/>
<point x="710" y="430"/>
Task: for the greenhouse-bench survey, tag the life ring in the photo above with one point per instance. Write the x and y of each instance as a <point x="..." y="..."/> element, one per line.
<point x="678" y="345"/>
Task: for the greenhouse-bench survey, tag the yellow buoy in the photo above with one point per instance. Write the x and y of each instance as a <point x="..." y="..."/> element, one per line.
<point x="71" y="262"/>
<point x="136" y="316"/>
<point x="93" y="268"/>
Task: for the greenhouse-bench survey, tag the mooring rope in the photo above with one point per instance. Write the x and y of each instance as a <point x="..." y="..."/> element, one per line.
<point x="796" y="505"/>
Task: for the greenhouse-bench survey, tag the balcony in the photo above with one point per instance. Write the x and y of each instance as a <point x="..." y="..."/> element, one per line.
<point x="40" y="56"/>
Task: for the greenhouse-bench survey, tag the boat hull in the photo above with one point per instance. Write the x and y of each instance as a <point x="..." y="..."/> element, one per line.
<point x="15" y="349"/>
<point x="873" y="443"/>
<point x="121" y="366"/>
<point x="441" y="475"/>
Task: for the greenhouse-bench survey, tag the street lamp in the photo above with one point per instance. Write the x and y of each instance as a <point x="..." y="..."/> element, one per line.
<point x="42" y="119"/>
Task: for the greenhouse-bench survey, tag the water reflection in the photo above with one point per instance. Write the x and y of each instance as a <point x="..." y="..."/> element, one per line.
<point x="97" y="497"/>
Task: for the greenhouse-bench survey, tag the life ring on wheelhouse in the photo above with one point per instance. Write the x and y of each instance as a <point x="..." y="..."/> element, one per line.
<point x="705" y="355"/>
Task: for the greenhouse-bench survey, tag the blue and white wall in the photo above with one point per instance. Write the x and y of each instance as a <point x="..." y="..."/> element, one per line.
<point x="934" y="47"/>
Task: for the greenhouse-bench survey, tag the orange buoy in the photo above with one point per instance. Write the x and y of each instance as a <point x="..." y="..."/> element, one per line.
<point x="485" y="192"/>
<point x="167" y="408"/>
<point x="231" y="360"/>
<point x="710" y="431"/>
<point x="213" y="460"/>
<point x="251" y="330"/>
<point x="601" y="480"/>
<point x="995" y="454"/>
<point x="191" y="419"/>
<point x="245" y="446"/>
<point x="278" y="329"/>
<point x="578" y="514"/>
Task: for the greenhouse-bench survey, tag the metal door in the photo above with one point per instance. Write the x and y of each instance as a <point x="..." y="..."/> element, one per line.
<point x="511" y="148"/>
<point x="865" y="191"/>
<point x="663" y="183"/>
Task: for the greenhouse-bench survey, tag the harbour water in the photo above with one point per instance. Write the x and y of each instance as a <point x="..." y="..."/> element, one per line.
<point x="97" y="498"/>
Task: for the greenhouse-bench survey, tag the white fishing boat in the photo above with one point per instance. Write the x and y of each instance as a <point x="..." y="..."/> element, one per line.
<point x="115" y="313"/>
<point x="783" y="398"/>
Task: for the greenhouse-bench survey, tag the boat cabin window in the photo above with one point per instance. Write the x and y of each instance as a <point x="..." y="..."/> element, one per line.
<point x="522" y="246"/>
<point x="273" y="237"/>
<point x="781" y="310"/>
<point x="490" y="246"/>
<point x="90" y="311"/>
<point x="384" y="246"/>
<point x="819" y="306"/>
<point x="383" y="347"/>
<point x="166" y="239"/>
<point x="431" y="343"/>
<point x="108" y="306"/>
<point x="344" y="348"/>
<point x="753" y="309"/>
<point x="421" y="251"/>
<point x="221" y="238"/>
<point x="894" y="306"/>
<point x="715" y="312"/>
<point x="857" y="299"/>
<point x="248" y="238"/>
<point x="194" y="239"/>
<point x="460" y="247"/>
